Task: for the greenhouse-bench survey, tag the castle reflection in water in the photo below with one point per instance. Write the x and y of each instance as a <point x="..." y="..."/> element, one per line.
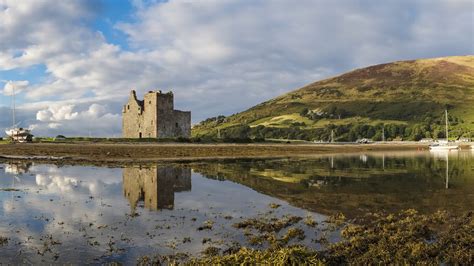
<point x="155" y="186"/>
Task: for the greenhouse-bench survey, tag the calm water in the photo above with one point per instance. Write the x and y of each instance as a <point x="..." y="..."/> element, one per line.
<point x="83" y="214"/>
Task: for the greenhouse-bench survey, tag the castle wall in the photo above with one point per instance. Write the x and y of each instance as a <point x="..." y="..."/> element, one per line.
<point x="182" y="125"/>
<point x="165" y="102"/>
<point x="174" y="123"/>
<point x="154" y="117"/>
<point x="149" y="124"/>
<point x="155" y="186"/>
<point x="132" y="117"/>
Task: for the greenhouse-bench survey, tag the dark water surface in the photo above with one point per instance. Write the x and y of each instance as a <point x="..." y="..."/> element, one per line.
<point x="84" y="214"/>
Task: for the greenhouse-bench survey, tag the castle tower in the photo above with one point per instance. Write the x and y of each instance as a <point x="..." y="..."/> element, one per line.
<point x="154" y="117"/>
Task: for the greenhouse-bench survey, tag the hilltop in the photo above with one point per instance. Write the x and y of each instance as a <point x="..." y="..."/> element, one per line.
<point x="406" y="98"/>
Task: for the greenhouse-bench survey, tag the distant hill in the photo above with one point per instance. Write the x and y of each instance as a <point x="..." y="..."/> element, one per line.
<point x="406" y="98"/>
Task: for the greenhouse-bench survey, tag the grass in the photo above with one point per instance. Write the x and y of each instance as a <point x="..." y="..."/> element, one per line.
<point x="99" y="140"/>
<point x="110" y="140"/>
<point x="282" y="120"/>
<point x="465" y="113"/>
<point x="287" y="120"/>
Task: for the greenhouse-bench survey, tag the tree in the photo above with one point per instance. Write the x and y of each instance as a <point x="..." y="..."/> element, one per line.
<point x="304" y="112"/>
<point x="237" y="132"/>
<point x="417" y="133"/>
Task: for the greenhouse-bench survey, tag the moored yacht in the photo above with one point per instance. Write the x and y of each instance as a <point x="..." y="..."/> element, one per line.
<point x="445" y="145"/>
<point x="18" y="134"/>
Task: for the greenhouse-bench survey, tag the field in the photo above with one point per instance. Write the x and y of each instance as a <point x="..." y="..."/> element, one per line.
<point x="151" y="152"/>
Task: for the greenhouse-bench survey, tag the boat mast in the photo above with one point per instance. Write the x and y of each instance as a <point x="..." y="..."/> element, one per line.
<point x="13" y="104"/>
<point x="447" y="136"/>
<point x="383" y="133"/>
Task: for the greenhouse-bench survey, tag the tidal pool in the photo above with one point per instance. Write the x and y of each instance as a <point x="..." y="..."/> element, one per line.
<point x="84" y="214"/>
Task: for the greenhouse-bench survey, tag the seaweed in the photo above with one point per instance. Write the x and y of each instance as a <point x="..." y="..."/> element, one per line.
<point x="406" y="237"/>
<point x="268" y="225"/>
<point x="3" y="241"/>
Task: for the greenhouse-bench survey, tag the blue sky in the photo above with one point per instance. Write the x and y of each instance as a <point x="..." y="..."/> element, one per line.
<point x="111" y="12"/>
<point x="74" y="62"/>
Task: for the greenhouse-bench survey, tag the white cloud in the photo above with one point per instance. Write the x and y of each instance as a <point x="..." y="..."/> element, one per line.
<point x="57" y="113"/>
<point x="14" y="87"/>
<point x="34" y="31"/>
<point x="218" y="56"/>
<point x="67" y="120"/>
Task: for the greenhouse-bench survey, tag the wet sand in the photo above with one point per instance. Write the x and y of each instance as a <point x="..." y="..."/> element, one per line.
<point x="146" y="152"/>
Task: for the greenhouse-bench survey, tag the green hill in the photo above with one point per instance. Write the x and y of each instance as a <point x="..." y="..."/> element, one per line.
<point x="406" y="98"/>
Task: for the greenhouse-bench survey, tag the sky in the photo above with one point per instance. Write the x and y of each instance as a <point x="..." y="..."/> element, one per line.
<point x="73" y="63"/>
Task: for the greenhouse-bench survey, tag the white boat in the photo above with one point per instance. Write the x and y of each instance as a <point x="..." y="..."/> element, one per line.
<point x="448" y="147"/>
<point x="445" y="145"/>
<point x="18" y="134"/>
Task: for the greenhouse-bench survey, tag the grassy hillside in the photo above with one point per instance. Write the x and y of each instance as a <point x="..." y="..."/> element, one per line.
<point x="406" y="98"/>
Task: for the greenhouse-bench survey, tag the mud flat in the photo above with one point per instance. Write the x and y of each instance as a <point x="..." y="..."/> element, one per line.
<point x="124" y="152"/>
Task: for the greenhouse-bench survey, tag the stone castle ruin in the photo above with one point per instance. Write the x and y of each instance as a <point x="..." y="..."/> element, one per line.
<point x="154" y="117"/>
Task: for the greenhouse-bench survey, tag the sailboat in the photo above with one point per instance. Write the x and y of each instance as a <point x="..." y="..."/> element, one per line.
<point x="445" y="145"/>
<point x="17" y="134"/>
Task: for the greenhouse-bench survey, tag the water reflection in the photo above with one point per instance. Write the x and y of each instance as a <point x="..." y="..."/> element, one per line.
<point x="17" y="168"/>
<point x="444" y="155"/>
<point x="357" y="183"/>
<point x="155" y="186"/>
<point x="81" y="214"/>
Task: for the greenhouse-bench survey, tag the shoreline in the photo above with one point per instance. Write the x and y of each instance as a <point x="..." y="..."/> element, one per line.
<point x="126" y="153"/>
